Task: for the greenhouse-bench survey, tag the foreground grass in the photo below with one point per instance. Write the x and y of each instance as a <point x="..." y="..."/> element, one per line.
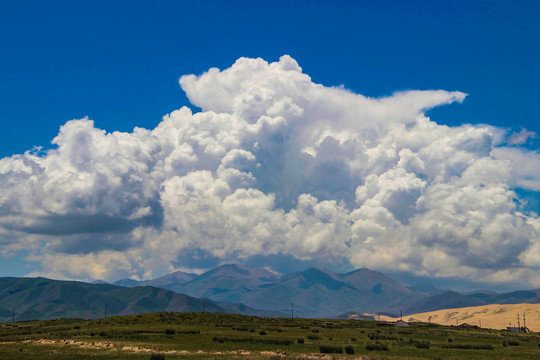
<point x="223" y="336"/>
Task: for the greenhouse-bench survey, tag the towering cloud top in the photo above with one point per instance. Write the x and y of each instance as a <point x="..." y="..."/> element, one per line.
<point x="276" y="165"/>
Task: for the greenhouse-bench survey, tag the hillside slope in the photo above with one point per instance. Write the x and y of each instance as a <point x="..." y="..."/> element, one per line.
<point x="41" y="298"/>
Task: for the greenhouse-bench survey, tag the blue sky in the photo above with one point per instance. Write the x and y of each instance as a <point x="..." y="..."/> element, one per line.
<point x="118" y="63"/>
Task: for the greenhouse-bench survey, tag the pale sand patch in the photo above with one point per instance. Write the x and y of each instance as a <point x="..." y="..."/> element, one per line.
<point x="496" y="316"/>
<point x="132" y="348"/>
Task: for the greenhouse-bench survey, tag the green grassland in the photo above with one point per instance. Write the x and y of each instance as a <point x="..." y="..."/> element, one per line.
<point x="226" y="336"/>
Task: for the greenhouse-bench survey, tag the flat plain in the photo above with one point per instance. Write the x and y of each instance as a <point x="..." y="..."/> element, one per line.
<point x="224" y="336"/>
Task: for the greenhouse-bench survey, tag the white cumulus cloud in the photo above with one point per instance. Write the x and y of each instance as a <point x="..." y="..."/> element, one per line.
<point x="275" y="164"/>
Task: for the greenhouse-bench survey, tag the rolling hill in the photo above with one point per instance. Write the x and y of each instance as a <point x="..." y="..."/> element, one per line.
<point x="41" y="298"/>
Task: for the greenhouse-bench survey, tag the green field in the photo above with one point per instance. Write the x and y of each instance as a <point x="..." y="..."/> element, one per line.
<point x="224" y="336"/>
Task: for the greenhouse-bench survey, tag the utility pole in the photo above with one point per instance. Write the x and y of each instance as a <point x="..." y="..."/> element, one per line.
<point x="480" y="323"/>
<point x="292" y="311"/>
<point x="401" y="315"/>
<point x="13" y="316"/>
<point x="519" y="326"/>
<point x="429" y="319"/>
<point x="524" y="326"/>
<point x="105" y="316"/>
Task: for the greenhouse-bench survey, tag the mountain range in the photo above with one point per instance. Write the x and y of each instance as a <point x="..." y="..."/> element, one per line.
<point x="41" y="298"/>
<point x="232" y="288"/>
<point x="318" y="292"/>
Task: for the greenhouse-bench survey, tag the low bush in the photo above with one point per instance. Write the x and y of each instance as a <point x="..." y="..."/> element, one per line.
<point x="170" y="331"/>
<point x="300" y="340"/>
<point x="262" y="332"/>
<point x="422" y="344"/>
<point x="378" y="336"/>
<point x="313" y="337"/>
<point x="252" y="340"/>
<point x="349" y="349"/>
<point x="468" y="346"/>
<point x="241" y="328"/>
<point x="157" y="357"/>
<point x="189" y="332"/>
<point x="376" y="346"/>
<point x="330" y="349"/>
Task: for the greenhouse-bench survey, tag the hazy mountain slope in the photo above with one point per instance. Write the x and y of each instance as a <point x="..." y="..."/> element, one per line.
<point x="127" y="282"/>
<point x="446" y="300"/>
<point x="40" y="298"/>
<point x="315" y="292"/>
<point x="427" y="290"/>
<point x="170" y="281"/>
<point x="514" y="297"/>
<point x="228" y="283"/>
<point x="318" y="292"/>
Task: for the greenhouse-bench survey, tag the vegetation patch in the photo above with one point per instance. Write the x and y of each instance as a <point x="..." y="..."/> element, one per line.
<point x="376" y="346"/>
<point x="252" y="340"/>
<point x="330" y="349"/>
<point x="468" y="346"/>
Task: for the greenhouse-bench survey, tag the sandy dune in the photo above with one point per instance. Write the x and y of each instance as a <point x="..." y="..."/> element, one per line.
<point x="488" y="316"/>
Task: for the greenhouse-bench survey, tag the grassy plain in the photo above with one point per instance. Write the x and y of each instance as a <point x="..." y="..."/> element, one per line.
<point x="225" y="336"/>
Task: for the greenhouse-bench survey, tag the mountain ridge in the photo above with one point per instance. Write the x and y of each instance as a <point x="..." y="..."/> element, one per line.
<point x="42" y="298"/>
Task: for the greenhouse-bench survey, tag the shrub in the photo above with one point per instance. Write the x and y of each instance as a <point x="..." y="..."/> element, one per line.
<point x="378" y="336"/>
<point x="315" y="330"/>
<point x="468" y="346"/>
<point x="422" y="344"/>
<point x="349" y="349"/>
<point x="170" y="331"/>
<point x="157" y="357"/>
<point x="102" y="334"/>
<point x="313" y="337"/>
<point x="450" y="339"/>
<point x="513" y="343"/>
<point x="252" y="340"/>
<point x="300" y="340"/>
<point x="376" y="346"/>
<point x="330" y="349"/>
<point x="354" y="339"/>
<point x="262" y="332"/>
